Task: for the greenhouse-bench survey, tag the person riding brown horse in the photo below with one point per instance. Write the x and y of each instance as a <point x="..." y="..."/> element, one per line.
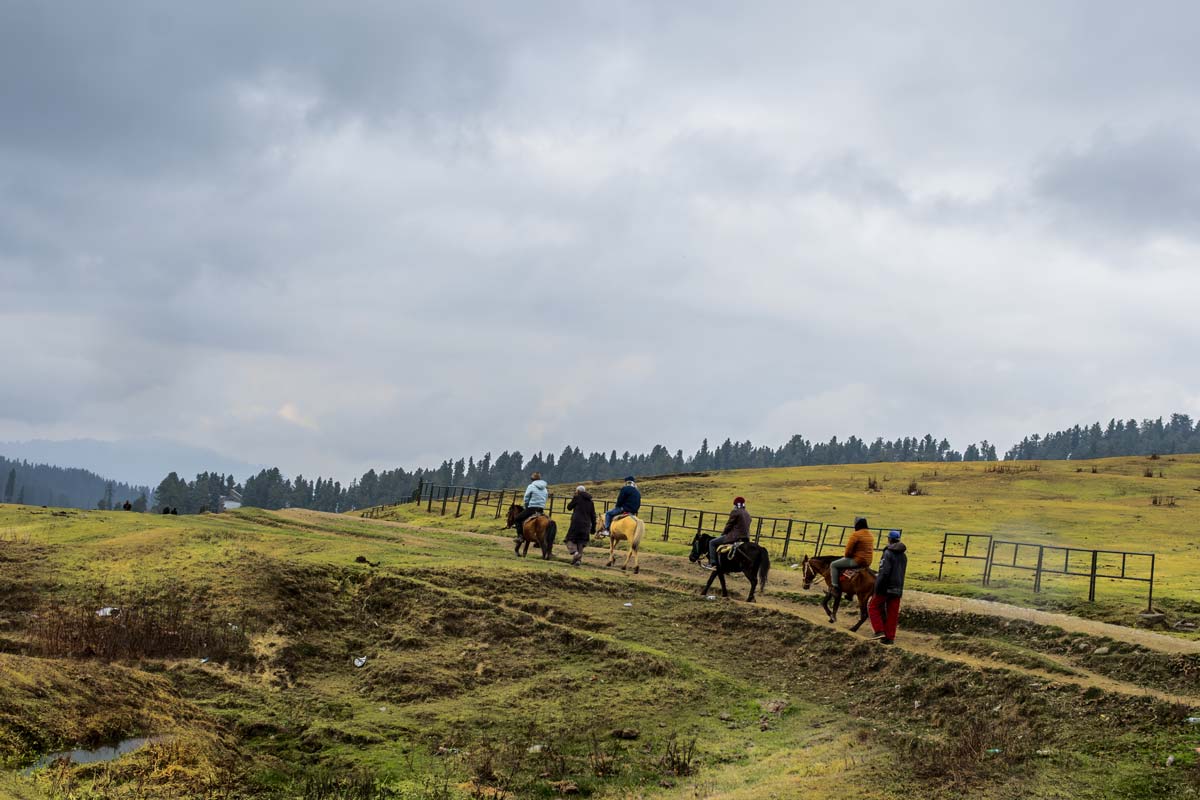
<point x="859" y="583"/>
<point x="538" y="528"/>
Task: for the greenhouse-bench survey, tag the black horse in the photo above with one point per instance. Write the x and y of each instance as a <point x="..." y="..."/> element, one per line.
<point x="750" y="560"/>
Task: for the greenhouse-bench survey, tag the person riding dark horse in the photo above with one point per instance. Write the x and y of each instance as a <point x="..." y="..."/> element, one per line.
<point x="536" y="496"/>
<point x="749" y="559"/>
<point x="860" y="552"/>
<point x="737" y="528"/>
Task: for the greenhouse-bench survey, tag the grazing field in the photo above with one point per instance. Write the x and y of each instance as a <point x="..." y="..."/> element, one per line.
<point x="1101" y="504"/>
<point x="486" y="676"/>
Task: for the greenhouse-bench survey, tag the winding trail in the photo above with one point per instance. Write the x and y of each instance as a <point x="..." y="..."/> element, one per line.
<point x="675" y="573"/>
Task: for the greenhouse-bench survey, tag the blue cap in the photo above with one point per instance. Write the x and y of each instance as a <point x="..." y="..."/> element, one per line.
<point x="893" y="536"/>
<point x="629" y="479"/>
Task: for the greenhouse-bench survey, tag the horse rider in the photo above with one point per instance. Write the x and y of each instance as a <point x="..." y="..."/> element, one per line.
<point x="583" y="522"/>
<point x="884" y="606"/>
<point x="629" y="501"/>
<point x="860" y="551"/>
<point x="536" y="495"/>
<point x="737" y="527"/>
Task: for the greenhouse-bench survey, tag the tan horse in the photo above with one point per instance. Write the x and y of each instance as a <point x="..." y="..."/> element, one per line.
<point x="626" y="529"/>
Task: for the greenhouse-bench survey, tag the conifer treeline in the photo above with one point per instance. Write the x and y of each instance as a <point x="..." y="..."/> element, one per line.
<point x="270" y="489"/>
<point x="65" y="487"/>
<point x="1119" y="438"/>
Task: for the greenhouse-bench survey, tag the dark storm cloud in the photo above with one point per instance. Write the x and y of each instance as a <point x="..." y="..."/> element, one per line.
<point x="333" y="237"/>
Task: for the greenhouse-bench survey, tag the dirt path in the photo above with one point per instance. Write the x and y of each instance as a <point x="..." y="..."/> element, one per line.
<point x="672" y="572"/>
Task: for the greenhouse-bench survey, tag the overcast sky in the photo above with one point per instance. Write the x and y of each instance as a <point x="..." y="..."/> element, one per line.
<point x="332" y="236"/>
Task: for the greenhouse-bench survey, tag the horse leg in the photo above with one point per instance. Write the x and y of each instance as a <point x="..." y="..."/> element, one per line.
<point x="628" y="556"/>
<point x="752" y="576"/>
<point x="724" y="588"/>
<point x="636" y="564"/>
<point x="712" y="576"/>
<point x="825" y="605"/>
<point x="837" y="603"/>
<point x="862" y="612"/>
<point x="612" y="549"/>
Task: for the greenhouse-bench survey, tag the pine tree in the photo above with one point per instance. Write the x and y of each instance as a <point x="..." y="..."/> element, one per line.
<point x="11" y="486"/>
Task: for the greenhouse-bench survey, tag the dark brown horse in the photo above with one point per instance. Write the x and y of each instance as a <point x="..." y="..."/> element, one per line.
<point x="860" y="585"/>
<point x="751" y="560"/>
<point x="540" y="529"/>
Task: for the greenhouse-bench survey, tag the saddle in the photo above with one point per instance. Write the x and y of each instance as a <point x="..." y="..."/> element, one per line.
<point x="730" y="550"/>
<point x="848" y="575"/>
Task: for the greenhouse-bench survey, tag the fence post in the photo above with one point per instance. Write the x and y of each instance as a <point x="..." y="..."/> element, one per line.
<point x="474" y="502"/>
<point x="458" y="509"/>
<point x="1092" y="584"/>
<point x="667" y="526"/>
<point x="942" y="560"/>
<point x="987" y="564"/>
<point x="700" y="524"/>
<point x="1037" y="576"/>
<point x="549" y="506"/>
<point x="429" y="502"/>
<point x="758" y="531"/>
<point x="787" y="538"/>
<point x="445" y="498"/>
<point x="1150" y="598"/>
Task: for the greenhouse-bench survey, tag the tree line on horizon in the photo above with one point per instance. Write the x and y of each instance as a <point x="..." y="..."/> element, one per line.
<point x="1120" y="438"/>
<point x="26" y="483"/>
<point x="270" y="489"/>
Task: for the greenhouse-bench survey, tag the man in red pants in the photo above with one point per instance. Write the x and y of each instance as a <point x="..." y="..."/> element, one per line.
<point x="884" y="606"/>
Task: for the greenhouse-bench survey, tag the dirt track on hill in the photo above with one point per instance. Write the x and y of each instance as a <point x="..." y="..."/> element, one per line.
<point x="669" y="572"/>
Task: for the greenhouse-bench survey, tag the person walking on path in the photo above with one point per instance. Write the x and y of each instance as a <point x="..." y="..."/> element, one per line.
<point x="860" y="552"/>
<point x="536" y="495"/>
<point x="629" y="501"/>
<point x="583" y="523"/>
<point x="884" y="606"/>
<point x="736" y="527"/>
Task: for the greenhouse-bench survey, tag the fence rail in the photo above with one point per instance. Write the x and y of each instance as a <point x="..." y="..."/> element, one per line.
<point x="785" y="535"/>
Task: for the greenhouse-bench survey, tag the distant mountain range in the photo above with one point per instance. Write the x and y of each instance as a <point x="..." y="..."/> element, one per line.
<point x="141" y="462"/>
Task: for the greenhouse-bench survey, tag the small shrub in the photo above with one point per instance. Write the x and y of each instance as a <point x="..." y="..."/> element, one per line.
<point x="604" y="758"/>
<point x="1095" y="471"/>
<point x="678" y="759"/>
<point x="913" y="489"/>
<point x="1147" y="473"/>
<point x="873" y="484"/>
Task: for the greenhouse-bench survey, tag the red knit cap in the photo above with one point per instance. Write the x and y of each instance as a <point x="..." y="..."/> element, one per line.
<point x="739" y="501"/>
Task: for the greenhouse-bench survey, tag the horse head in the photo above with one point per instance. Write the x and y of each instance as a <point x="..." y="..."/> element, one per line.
<point x="513" y="510"/>
<point x="699" y="547"/>
<point x="810" y="571"/>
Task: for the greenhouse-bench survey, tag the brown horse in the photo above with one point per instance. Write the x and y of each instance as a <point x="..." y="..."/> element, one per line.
<point x="625" y="529"/>
<point x="861" y="584"/>
<point x="540" y="529"/>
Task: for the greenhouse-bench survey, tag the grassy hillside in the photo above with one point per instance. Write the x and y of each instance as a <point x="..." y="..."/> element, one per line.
<point x="489" y="676"/>
<point x="1062" y="503"/>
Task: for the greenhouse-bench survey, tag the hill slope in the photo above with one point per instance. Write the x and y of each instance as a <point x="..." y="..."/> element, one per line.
<point x="489" y="676"/>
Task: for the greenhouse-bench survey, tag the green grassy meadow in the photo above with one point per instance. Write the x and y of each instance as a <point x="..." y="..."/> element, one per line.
<point x="487" y="676"/>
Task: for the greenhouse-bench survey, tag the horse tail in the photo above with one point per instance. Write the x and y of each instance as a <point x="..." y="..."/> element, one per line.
<point x="551" y="532"/>
<point x="764" y="567"/>
<point x="637" y="533"/>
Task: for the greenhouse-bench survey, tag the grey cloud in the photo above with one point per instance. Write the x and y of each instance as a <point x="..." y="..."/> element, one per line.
<point x="1144" y="185"/>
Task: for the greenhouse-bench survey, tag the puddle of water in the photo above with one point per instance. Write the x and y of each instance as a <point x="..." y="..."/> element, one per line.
<point x="106" y="753"/>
